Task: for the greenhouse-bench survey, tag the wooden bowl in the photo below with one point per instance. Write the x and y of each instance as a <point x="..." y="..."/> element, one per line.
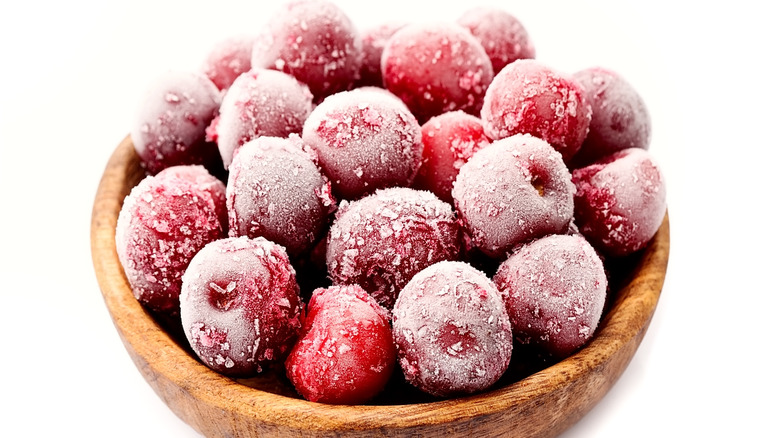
<point x="539" y="404"/>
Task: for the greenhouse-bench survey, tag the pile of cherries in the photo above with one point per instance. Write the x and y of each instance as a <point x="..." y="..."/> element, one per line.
<point x="369" y="176"/>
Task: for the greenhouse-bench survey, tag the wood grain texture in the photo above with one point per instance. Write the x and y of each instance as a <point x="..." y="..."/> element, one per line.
<point x="543" y="404"/>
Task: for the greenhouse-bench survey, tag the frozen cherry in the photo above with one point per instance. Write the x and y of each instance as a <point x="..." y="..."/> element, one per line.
<point x="345" y="354"/>
<point x="314" y="41"/>
<point x="449" y="140"/>
<point x="260" y="103"/>
<point x="228" y="59"/>
<point x="373" y="44"/>
<point x="169" y="126"/>
<point x="512" y="191"/>
<point x="501" y="34"/>
<point x="554" y="289"/>
<point x="163" y="223"/>
<point x="275" y="190"/>
<point x="240" y="305"/>
<point x="205" y="181"/>
<point x="379" y="242"/>
<point x="452" y="330"/>
<point x="620" y="117"/>
<point x="436" y="68"/>
<point x="620" y="201"/>
<point x="365" y="140"/>
<point x="528" y="97"/>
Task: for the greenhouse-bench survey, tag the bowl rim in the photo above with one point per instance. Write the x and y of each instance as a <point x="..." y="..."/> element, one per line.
<point x="160" y="358"/>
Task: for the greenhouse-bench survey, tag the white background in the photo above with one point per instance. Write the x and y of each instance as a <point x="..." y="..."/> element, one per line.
<point x="71" y="73"/>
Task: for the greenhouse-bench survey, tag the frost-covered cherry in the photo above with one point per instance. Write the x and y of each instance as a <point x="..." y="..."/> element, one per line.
<point x="373" y="42"/>
<point x="314" y="41"/>
<point x="620" y="201"/>
<point x="554" y="289"/>
<point x="260" y="103"/>
<point x="164" y="221"/>
<point x="365" y="140"/>
<point x="275" y="190"/>
<point x="501" y="34"/>
<point x="452" y="330"/>
<point x="514" y="190"/>
<point x="620" y="117"/>
<point x="345" y="354"/>
<point x="169" y="125"/>
<point x="449" y="140"/>
<point x="240" y="305"/>
<point x="205" y="181"/>
<point x="227" y="59"/>
<point x="379" y="242"/>
<point x="435" y="68"/>
<point x="527" y="97"/>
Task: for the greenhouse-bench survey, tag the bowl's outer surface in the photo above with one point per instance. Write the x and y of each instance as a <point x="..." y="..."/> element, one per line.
<point x="543" y="404"/>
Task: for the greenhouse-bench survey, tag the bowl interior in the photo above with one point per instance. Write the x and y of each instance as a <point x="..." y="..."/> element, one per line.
<point x="536" y="397"/>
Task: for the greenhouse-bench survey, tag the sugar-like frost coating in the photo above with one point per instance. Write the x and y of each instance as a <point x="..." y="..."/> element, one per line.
<point x="554" y="289"/>
<point x="240" y="305"/>
<point x="169" y="124"/>
<point x="365" y="140"/>
<point x="345" y="354"/>
<point x="435" y="68"/>
<point x="314" y="41"/>
<point x="373" y="42"/>
<point x="452" y="330"/>
<point x="164" y="221"/>
<point x="527" y="97"/>
<point x="203" y="180"/>
<point x="620" y="201"/>
<point x="379" y="242"/>
<point x="514" y="190"/>
<point x="501" y="34"/>
<point x="620" y="118"/>
<point x="227" y="59"/>
<point x="449" y="141"/>
<point x="260" y="103"/>
<point x="276" y="190"/>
